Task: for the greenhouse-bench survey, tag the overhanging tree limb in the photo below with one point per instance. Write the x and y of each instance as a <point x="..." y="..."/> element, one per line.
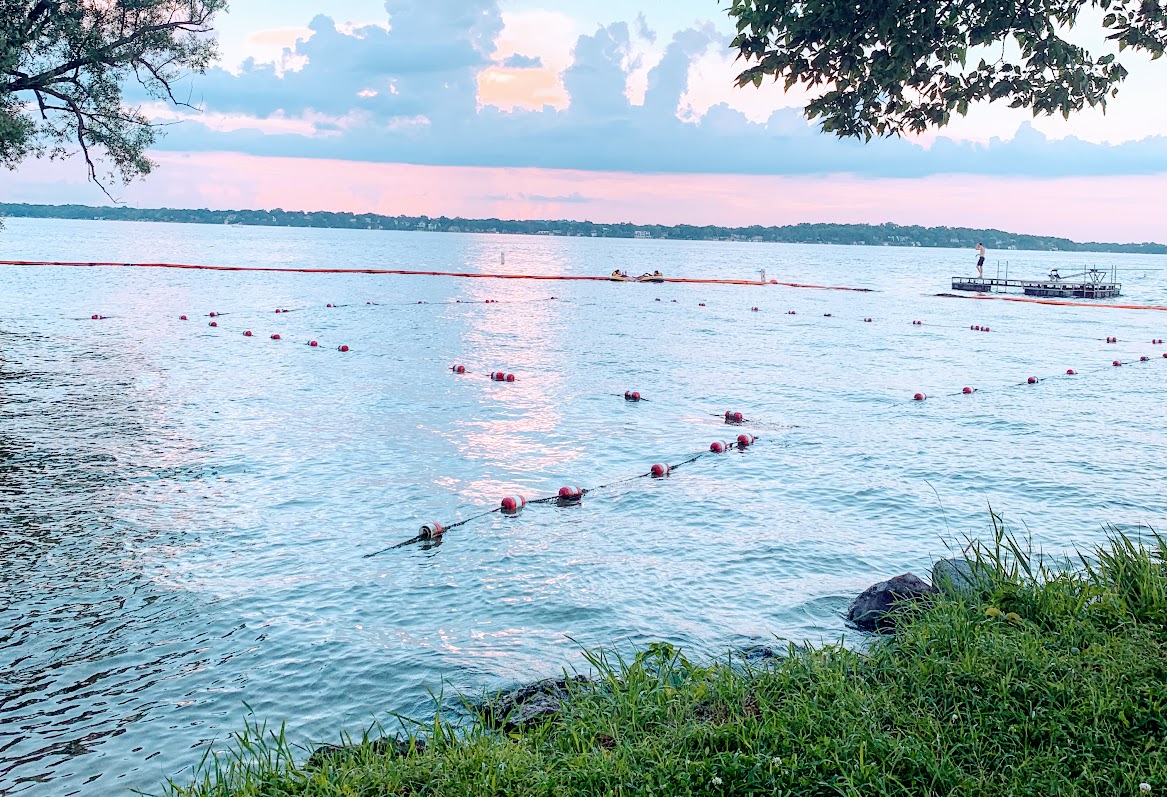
<point x="888" y="67"/>
<point x="83" y="54"/>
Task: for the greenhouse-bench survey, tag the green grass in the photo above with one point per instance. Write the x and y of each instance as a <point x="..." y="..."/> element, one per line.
<point x="1046" y="682"/>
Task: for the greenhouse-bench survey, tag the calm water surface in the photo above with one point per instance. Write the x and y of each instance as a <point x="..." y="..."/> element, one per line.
<point x="185" y="512"/>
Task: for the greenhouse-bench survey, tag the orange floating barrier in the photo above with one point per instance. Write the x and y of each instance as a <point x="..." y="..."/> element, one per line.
<point x="411" y="272"/>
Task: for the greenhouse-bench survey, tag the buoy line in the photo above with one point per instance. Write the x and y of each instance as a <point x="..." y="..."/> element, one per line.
<point x="418" y="273"/>
<point x="567" y="496"/>
<point x="1054" y="302"/>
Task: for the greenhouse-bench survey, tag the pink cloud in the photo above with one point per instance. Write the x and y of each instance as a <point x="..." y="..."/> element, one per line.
<point x="1094" y="208"/>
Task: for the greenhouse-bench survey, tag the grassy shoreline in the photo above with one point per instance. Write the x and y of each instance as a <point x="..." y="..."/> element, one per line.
<point x="1037" y="682"/>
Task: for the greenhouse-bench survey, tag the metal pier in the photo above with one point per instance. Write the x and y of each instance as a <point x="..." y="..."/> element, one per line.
<point x="1090" y="284"/>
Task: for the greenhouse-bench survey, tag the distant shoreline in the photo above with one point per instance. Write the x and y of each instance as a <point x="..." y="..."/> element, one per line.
<point x="840" y="234"/>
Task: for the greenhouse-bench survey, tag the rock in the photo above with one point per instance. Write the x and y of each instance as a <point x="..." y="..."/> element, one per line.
<point x="529" y="705"/>
<point x="384" y="747"/>
<point x="873" y="610"/>
<point x="960" y="576"/>
<point x="761" y="654"/>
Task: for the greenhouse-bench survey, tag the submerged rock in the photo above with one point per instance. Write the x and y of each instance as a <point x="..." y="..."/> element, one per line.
<point x="761" y="654"/>
<point x="960" y="576"/>
<point x="874" y="609"/>
<point x="529" y="705"/>
<point x="383" y="747"/>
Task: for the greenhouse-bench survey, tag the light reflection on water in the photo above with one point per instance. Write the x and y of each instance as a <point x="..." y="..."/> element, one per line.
<point x="185" y="511"/>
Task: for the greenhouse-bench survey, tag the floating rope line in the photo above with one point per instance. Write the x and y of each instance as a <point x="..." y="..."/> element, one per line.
<point x="411" y="272"/>
<point x="1055" y="302"/>
<point x="1036" y="380"/>
<point x="567" y="496"/>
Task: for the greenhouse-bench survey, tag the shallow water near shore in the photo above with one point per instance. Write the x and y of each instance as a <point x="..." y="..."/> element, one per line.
<point x="185" y="512"/>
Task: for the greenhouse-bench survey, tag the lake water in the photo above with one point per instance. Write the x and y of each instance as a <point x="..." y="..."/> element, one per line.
<point x="186" y="512"/>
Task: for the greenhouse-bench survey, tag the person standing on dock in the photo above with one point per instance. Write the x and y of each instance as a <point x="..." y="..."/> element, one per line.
<point x="980" y="260"/>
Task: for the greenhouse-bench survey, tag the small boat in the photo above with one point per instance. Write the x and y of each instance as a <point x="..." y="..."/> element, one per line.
<point x="620" y="276"/>
<point x="657" y="277"/>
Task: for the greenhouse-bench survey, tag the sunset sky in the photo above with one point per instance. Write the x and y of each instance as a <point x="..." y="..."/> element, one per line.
<point x="607" y="111"/>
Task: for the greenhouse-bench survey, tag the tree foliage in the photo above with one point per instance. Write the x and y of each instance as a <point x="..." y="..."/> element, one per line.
<point x="64" y="65"/>
<point x="885" y="67"/>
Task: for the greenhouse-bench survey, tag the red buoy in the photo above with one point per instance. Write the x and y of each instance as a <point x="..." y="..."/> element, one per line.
<point x="182" y="318"/>
<point x="753" y="309"/>
<point x="659" y="471"/>
<point x="329" y="306"/>
<point x="745" y="440"/>
<point x="968" y="391"/>
<point x="458" y="369"/>
<point x="1033" y="380"/>
<point x="213" y="323"/>
<point x="342" y="348"/>
<point x="570" y="495"/>
<point x="276" y="337"/>
<point x="313" y="344"/>
<point x="1157" y="342"/>
<point x="93" y="317"/>
<point x="718" y="447"/>
<point x="431" y="531"/>
<point x="1165" y="355"/>
<point x="987" y="329"/>
<point x="631" y="395"/>
<point x="791" y="312"/>
<point x="828" y="315"/>
<point x="1117" y="363"/>
<point x="212" y="315"/>
<point x="734" y="417"/>
<point x="919" y="397"/>
<point x="701" y="304"/>
<point x="1071" y="372"/>
<point x="867" y="320"/>
<point x="247" y="333"/>
<point x="513" y="504"/>
<point x="1144" y="358"/>
<point x="510" y="377"/>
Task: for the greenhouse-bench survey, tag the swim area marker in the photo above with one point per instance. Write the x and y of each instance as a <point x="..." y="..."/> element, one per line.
<point x="567" y="496"/>
<point x="1054" y="302"/>
<point x="409" y="272"/>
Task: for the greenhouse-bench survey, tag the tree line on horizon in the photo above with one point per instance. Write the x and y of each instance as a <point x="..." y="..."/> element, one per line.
<point x="807" y="233"/>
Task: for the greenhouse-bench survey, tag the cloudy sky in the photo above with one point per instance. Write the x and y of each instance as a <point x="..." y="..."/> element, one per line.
<point x="607" y="111"/>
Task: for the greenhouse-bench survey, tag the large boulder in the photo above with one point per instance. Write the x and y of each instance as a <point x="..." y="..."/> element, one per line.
<point x="960" y="576"/>
<point x="874" y="609"/>
<point x="529" y="705"/>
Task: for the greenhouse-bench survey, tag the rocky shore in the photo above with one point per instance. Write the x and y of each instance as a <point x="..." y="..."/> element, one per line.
<point x="997" y="678"/>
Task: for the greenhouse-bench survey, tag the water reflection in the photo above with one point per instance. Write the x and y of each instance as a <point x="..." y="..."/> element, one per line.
<point x="185" y="512"/>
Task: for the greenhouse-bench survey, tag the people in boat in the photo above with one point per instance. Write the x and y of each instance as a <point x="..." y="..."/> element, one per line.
<point x="654" y="275"/>
<point x="618" y="274"/>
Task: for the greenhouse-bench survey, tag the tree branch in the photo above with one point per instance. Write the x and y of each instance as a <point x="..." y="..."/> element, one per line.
<point x="102" y="54"/>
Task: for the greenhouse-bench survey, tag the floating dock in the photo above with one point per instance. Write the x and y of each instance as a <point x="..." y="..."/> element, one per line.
<point x="1090" y="284"/>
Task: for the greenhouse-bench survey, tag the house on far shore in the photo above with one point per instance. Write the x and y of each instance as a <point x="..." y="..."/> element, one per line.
<point x="642" y="234"/>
